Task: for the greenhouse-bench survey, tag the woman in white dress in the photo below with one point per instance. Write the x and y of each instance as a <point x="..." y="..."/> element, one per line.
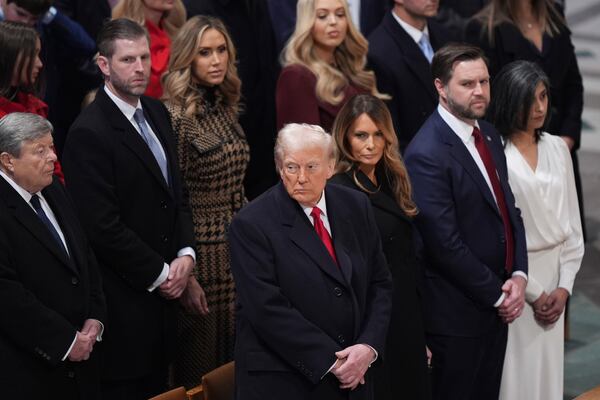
<point x="541" y="177"/>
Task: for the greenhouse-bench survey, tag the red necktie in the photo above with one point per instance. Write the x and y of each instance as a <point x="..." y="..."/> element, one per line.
<point x="322" y="232"/>
<point x="490" y="167"/>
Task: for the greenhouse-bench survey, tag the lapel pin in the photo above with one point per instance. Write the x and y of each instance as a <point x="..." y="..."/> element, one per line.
<point x="488" y="138"/>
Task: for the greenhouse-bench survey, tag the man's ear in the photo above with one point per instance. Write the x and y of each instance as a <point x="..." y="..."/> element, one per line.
<point x="440" y="87"/>
<point x="103" y="64"/>
<point x="6" y="160"/>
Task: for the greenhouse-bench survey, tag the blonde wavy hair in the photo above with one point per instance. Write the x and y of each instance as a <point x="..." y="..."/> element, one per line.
<point x="134" y="10"/>
<point x="391" y="162"/>
<point x="501" y="11"/>
<point x="178" y="83"/>
<point x="350" y="56"/>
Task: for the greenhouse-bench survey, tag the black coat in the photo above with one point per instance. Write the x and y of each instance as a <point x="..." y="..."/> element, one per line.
<point x="45" y="297"/>
<point x="558" y="61"/>
<point x="135" y="223"/>
<point x="295" y="306"/>
<point x="403" y="72"/>
<point x="403" y="373"/>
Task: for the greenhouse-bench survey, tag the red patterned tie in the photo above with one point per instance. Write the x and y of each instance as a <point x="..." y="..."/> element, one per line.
<point x="322" y="232"/>
<point x="490" y="167"/>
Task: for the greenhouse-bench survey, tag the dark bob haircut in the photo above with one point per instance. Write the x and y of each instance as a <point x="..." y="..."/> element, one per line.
<point x="513" y="93"/>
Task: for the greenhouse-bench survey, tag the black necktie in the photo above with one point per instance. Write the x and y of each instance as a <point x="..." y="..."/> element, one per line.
<point x="35" y="202"/>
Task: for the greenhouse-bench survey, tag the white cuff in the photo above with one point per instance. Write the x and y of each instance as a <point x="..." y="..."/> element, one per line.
<point x="187" y="251"/>
<point x="71" y="346"/>
<point x="161" y="278"/>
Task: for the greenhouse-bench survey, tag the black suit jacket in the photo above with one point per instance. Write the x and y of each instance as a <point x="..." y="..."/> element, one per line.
<point x="295" y="306"/>
<point x="135" y="222"/>
<point x="45" y="297"/>
<point x="404" y="73"/>
<point x="558" y="61"/>
<point x="461" y="229"/>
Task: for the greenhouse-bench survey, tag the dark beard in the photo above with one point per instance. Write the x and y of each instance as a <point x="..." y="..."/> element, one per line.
<point x="462" y="111"/>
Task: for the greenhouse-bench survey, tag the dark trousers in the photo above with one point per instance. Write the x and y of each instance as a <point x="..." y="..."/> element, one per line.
<point x="467" y="368"/>
<point x="135" y="389"/>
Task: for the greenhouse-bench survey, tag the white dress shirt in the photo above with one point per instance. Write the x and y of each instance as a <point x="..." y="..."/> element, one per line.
<point x="354" y="7"/>
<point x="128" y="111"/>
<point x="413" y="32"/>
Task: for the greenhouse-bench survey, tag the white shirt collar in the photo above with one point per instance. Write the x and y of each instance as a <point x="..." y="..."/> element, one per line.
<point x="22" y="192"/>
<point x="463" y="130"/>
<point x="127" y="109"/>
<point x="413" y="32"/>
<point x="322" y="204"/>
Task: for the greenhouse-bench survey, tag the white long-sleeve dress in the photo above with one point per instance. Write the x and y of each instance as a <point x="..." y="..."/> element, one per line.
<point x="533" y="366"/>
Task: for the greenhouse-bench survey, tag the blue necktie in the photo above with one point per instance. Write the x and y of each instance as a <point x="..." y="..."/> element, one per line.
<point x="35" y="202"/>
<point x="151" y="142"/>
<point x="426" y="47"/>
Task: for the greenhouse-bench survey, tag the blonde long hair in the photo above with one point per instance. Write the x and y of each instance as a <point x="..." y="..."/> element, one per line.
<point x="506" y="11"/>
<point x="350" y="56"/>
<point x="391" y="161"/>
<point x="134" y="10"/>
<point x="178" y="85"/>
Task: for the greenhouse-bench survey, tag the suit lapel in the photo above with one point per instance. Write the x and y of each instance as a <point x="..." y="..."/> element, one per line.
<point x="65" y="220"/>
<point x="303" y="234"/>
<point x="460" y="153"/>
<point x="130" y="137"/>
<point x="29" y="219"/>
<point x="415" y="60"/>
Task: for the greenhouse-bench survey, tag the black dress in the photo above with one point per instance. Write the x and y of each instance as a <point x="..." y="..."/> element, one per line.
<point x="403" y="373"/>
<point x="557" y="59"/>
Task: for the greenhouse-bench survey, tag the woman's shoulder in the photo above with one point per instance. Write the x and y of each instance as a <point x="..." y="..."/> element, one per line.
<point x="296" y="69"/>
<point x="344" y="179"/>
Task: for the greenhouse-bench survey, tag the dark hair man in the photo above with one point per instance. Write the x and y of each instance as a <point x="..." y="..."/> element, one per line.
<point x="123" y="172"/>
<point x="475" y="260"/>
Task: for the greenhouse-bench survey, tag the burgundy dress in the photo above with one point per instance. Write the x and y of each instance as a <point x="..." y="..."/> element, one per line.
<point x="297" y="100"/>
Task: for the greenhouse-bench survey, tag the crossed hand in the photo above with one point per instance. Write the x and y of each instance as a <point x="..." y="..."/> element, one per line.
<point x="351" y="365"/>
<point x="548" y="307"/>
<point x="514" y="300"/>
<point x="84" y="343"/>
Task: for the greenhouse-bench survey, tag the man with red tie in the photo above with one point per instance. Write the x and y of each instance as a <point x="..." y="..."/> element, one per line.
<point x="474" y="255"/>
<point x="313" y="288"/>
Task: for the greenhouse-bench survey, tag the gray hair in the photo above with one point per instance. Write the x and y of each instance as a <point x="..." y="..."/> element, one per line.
<point x="15" y="128"/>
<point x="293" y="137"/>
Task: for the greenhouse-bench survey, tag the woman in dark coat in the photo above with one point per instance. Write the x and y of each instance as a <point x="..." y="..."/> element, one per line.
<point x="535" y="30"/>
<point x="369" y="161"/>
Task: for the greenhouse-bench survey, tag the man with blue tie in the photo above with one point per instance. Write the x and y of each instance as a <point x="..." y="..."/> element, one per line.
<point x="474" y="255"/>
<point x="51" y="300"/>
<point x="400" y="53"/>
<point x="123" y="172"/>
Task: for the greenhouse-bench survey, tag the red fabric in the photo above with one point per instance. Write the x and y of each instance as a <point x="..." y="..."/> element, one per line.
<point x="490" y="167"/>
<point x="26" y="102"/>
<point x="160" y="50"/>
<point x="296" y="99"/>
<point x="322" y="232"/>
